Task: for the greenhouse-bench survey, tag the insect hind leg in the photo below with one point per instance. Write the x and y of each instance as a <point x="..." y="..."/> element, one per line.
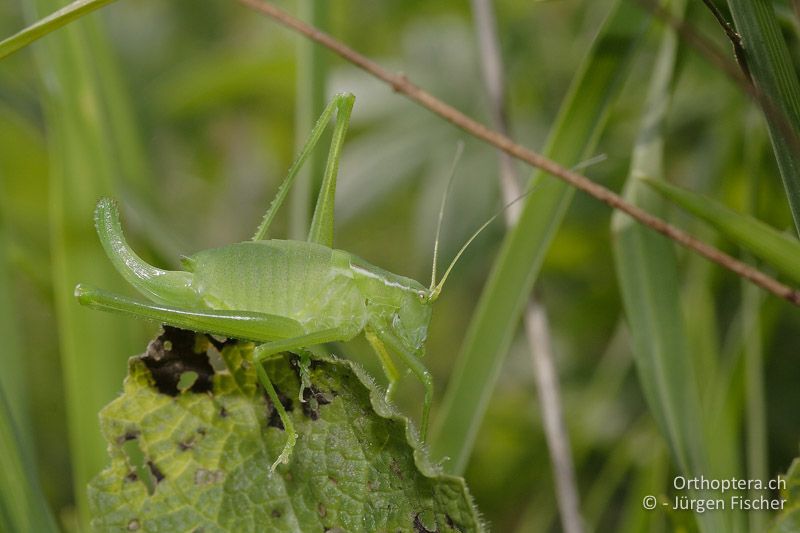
<point x="321" y="231"/>
<point x="262" y="353"/>
<point x="339" y="102"/>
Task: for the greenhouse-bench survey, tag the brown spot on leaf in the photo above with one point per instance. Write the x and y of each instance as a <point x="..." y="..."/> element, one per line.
<point x="273" y="418"/>
<point x="134" y="525"/>
<point x="128" y="435"/>
<point x="313" y="398"/>
<point x="276" y="513"/>
<point x="208" y="477"/>
<point x="171" y="355"/>
<point x="157" y="474"/>
<point x="220" y="344"/>
<point x="322" y="510"/>
<point x="132" y="476"/>
<point x="395" y="468"/>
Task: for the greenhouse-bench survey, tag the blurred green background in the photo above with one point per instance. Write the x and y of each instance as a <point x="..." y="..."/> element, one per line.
<point x="190" y="114"/>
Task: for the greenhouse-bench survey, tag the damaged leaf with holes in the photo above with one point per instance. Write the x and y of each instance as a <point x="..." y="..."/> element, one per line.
<point x="193" y="436"/>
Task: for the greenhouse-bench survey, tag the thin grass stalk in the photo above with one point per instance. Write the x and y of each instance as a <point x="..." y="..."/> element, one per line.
<point x="648" y="276"/>
<point x="647" y="271"/>
<point x="537" y="328"/>
<point x="780" y="250"/>
<point x="83" y="167"/>
<point x="23" y="506"/>
<point x="312" y="81"/>
<point x="52" y="22"/>
<point x="489" y="335"/>
<point x="757" y="447"/>
<point x="13" y="371"/>
<point x="755" y="401"/>
<point x="536" y="323"/>
<point x="772" y="70"/>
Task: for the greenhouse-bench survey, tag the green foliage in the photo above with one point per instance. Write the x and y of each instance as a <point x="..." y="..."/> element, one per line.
<point x="774" y="75"/>
<point x="88" y="158"/>
<point x="219" y="97"/>
<point x="206" y="451"/>
<point x="22" y="503"/>
<point x="581" y="119"/>
<point x="789" y="519"/>
<point x="648" y="275"/>
<point x="39" y="29"/>
<point x="776" y="248"/>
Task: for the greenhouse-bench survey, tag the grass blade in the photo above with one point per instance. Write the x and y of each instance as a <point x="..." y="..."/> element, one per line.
<point x="648" y="276"/>
<point x="22" y="503"/>
<point x="773" y="72"/>
<point x="39" y="29"/>
<point x="312" y="77"/>
<point x="496" y="318"/>
<point x="12" y="363"/>
<point x="778" y="249"/>
<point x="84" y="166"/>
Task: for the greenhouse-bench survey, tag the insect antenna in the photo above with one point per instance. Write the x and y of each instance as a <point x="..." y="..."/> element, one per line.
<point x="450" y="179"/>
<point x="436" y="289"/>
<point x="599" y="158"/>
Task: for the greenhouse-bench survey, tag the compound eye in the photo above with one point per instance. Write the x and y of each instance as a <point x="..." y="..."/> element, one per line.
<point x="421" y="295"/>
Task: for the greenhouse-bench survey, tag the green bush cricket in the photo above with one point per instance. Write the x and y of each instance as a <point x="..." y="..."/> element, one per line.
<point x="284" y="295"/>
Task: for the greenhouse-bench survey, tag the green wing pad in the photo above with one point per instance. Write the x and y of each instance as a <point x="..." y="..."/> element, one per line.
<point x="357" y="465"/>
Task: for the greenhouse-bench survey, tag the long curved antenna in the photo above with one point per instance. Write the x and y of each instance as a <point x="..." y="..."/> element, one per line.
<point x="436" y="290"/>
<point x="450" y="179"/>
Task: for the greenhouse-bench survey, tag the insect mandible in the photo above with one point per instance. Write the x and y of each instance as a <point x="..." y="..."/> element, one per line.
<point x="284" y="294"/>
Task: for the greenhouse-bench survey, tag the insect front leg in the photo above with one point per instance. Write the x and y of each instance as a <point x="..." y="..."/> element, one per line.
<point x="389" y="367"/>
<point x="417" y="368"/>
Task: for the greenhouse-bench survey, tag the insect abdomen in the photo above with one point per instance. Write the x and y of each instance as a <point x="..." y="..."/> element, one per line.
<point x="304" y="281"/>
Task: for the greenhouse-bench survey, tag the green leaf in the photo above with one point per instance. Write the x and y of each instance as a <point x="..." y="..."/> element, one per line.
<point x="773" y="72"/>
<point x="581" y="119"/>
<point x="204" y="454"/>
<point x="39" y="29"/>
<point x="778" y="249"/>
<point x="789" y="520"/>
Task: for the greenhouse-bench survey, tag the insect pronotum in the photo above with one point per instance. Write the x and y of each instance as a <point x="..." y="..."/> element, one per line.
<point x="283" y="294"/>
